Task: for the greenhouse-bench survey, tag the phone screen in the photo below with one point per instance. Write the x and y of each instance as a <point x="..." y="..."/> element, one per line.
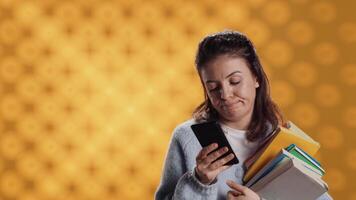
<point x="211" y="132"/>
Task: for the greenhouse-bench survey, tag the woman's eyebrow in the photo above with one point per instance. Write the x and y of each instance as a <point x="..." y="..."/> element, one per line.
<point x="232" y="73"/>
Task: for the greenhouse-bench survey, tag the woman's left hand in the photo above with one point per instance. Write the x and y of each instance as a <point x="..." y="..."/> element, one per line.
<point x="240" y="192"/>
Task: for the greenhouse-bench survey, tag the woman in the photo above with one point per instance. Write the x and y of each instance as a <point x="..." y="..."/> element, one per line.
<point x="237" y="96"/>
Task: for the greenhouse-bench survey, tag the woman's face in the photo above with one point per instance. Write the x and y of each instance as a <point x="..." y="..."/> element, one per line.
<point x="231" y="88"/>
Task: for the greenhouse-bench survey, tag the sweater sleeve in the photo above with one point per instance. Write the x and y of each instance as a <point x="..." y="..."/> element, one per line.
<point x="179" y="183"/>
<point x="325" y="196"/>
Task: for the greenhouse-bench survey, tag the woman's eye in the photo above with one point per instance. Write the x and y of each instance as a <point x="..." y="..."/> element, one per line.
<point x="213" y="89"/>
<point x="235" y="82"/>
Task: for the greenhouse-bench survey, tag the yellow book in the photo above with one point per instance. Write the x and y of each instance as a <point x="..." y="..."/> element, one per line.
<point x="282" y="139"/>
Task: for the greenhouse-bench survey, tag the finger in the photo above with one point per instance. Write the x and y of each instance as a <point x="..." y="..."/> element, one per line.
<point x="215" y="155"/>
<point x="206" y="150"/>
<point x="221" y="161"/>
<point x="236" y="187"/>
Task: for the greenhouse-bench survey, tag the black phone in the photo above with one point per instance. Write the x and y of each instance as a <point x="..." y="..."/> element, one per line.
<point x="211" y="132"/>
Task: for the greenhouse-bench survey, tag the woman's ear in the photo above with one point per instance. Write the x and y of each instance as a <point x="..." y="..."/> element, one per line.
<point x="256" y="84"/>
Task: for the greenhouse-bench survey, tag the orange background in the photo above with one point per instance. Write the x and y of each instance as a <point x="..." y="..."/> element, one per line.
<point x="90" y="90"/>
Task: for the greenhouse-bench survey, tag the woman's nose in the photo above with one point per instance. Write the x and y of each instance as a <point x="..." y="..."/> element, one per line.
<point x="225" y="92"/>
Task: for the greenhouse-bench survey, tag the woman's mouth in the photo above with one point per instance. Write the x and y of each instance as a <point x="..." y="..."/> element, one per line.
<point x="231" y="105"/>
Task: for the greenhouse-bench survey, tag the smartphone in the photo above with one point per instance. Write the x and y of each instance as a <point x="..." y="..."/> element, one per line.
<point x="211" y="132"/>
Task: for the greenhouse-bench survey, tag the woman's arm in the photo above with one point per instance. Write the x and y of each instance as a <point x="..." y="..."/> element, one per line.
<point x="177" y="182"/>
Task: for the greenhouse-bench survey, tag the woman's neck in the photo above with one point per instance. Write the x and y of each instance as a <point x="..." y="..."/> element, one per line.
<point x="241" y="124"/>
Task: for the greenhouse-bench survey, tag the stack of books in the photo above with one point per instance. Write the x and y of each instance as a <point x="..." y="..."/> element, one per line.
<point x="284" y="168"/>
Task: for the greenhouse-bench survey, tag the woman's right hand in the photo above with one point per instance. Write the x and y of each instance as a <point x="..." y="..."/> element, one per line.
<point x="207" y="168"/>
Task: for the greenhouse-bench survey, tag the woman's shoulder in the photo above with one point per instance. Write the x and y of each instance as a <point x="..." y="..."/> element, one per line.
<point x="184" y="127"/>
<point x="186" y="124"/>
<point x="183" y="131"/>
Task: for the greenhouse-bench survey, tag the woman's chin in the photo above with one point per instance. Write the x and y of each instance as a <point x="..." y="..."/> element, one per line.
<point x="232" y="116"/>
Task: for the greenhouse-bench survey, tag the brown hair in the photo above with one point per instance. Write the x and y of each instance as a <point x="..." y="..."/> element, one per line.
<point x="266" y="114"/>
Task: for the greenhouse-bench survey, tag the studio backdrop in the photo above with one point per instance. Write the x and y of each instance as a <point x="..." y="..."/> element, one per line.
<point x="90" y="91"/>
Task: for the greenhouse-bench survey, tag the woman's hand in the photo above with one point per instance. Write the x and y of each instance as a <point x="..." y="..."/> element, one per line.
<point x="207" y="168"/>
<point x="240" y="192"/>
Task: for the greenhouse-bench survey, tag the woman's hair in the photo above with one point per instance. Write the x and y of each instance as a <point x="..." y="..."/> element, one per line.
<point x="266" y="114"/>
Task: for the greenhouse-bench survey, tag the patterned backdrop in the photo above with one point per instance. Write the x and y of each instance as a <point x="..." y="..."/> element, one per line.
<point x="91" y="90"/>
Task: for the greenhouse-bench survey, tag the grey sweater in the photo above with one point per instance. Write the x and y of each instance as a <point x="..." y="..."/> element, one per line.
<point x="178" y="180"/>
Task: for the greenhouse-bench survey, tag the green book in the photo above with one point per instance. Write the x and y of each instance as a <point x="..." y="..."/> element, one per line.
<point x="303" y="156"/>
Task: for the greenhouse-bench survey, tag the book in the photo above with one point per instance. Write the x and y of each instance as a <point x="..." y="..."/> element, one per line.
<point x="274" y="163"/>
<point x="268" y="167"/>
<point x="305" y="157"/>
<point x="282" y="138"/>
<point x="290" y="179"/>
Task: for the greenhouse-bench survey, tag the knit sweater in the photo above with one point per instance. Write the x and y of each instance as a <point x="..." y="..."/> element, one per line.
<point x="179" y="182"/>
